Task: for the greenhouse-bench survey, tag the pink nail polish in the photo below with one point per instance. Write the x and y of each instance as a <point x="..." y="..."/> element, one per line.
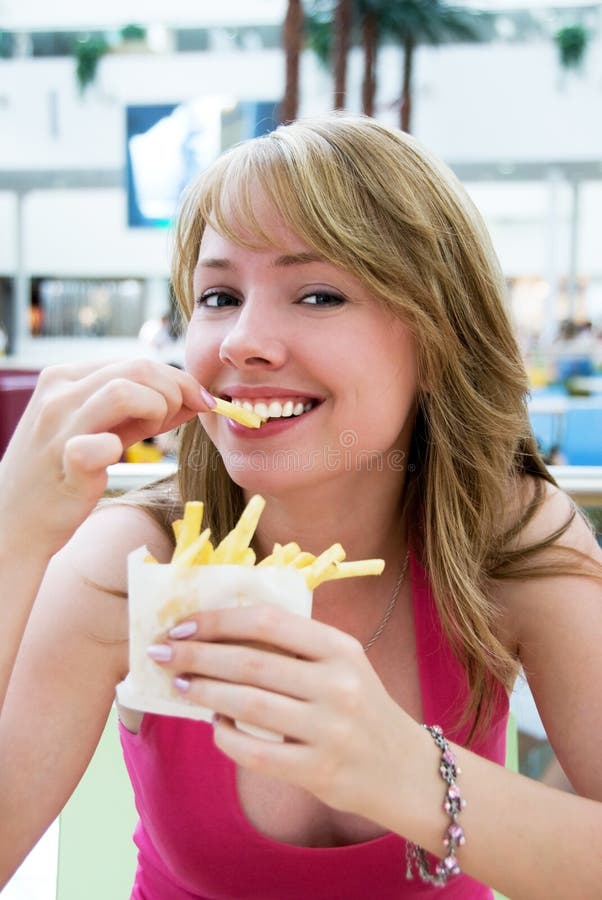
<point x="183" y="630"/>
<point x="160" y="652"/>
<point x="181" y="684"/>
<point x="207" y="397"/>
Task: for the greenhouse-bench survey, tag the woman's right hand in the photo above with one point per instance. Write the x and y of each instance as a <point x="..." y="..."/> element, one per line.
<point x="79" y="420"/>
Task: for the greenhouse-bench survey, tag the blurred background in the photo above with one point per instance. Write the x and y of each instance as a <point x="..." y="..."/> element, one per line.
<point x="107" y="110"/>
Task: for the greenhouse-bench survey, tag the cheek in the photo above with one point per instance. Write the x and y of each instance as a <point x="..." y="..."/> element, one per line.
<point x="201" y="354"/>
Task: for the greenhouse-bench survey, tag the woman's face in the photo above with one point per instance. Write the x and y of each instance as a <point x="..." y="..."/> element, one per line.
<point x="291" y="331"/>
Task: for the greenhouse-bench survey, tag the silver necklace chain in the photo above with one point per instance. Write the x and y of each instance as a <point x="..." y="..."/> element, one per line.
<point x="392" y="604"/>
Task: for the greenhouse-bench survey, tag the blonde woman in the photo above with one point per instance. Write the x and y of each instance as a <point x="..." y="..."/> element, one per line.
<point x="337" y="274"/>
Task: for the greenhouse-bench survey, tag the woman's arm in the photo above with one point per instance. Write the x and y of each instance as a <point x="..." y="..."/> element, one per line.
<point x="73" y="653"/>
<point x="79" y="420"/>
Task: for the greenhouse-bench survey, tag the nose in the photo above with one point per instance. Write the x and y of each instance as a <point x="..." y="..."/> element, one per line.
<point x="254" y="339"/>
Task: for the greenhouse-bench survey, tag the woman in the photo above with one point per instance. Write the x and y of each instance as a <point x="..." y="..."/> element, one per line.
<point x="336" y="274"/>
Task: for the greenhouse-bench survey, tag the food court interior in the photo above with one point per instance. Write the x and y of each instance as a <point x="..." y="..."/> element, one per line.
<point x="106" y="110"/>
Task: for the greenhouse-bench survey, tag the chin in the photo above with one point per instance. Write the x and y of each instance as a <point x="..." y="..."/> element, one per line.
<point x="264" y="477"/>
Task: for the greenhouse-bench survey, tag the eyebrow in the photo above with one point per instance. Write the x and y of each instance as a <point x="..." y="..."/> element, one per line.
<point x="287" y="259"/>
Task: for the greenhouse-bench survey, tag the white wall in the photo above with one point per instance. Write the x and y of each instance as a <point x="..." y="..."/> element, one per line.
<point x="67" y="14"/>
<point x="495" y="102"/>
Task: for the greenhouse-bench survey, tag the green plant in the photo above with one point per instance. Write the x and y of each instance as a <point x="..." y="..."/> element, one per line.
<point x="88" y="53"/>
<point x="571" y="42"/>
<point x="133" y="33"/>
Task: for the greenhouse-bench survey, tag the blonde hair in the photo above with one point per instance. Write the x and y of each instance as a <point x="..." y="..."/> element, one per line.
<point x="373" y="201"/>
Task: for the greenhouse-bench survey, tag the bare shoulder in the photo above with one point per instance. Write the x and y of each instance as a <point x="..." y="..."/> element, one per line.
<point x="555" y="509"/>
<point x="100" y="547"/>
<point x="525" y="602"/>
<point x="87" y="579"/>
<point x="554" y="620"/>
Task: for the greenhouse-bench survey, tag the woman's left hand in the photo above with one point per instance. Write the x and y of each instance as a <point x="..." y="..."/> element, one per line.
<point x="342" y="728"/>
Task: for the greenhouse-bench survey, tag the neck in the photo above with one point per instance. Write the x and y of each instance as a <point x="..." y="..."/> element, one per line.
<point x="364" y="518"/>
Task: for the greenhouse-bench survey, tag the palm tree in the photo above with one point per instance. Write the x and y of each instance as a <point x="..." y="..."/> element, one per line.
<point x="415" y="22"/>
<point x="408" y="22"/>
<point x="330" y="28"/>
<point x="292" y="38"/>
<point x="343" y="21"/>
<point x="375" y="21"/>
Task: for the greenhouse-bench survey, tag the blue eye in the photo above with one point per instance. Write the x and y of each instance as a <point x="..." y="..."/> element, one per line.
<point x="215" y="299"/>
<point x="322" y="299"/>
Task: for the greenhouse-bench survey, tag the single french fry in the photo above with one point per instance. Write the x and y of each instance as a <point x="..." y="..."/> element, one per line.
<point x="247" y="558"/>
<point x="189" y="556"/>
<point x="273" y="558"/>
<point x="333" y="554"/>
<point x="190" y="528"/>
<point x="302" y="560"/>
<point x="289" y="552"/>
<point x="244" y="416"/>
<point x="237" y="540"/>
<point x="176" y="526"/>
<point x="349" y="570"/>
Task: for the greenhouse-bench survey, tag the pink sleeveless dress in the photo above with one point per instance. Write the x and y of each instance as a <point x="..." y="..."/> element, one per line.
<point x="195" y="842"/>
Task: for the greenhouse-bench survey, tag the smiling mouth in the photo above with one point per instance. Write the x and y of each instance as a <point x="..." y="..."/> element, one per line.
<point x="276" y="409"/>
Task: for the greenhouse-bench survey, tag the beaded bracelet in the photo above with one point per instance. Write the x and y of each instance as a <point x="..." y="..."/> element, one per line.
<point x="453" y="804"/>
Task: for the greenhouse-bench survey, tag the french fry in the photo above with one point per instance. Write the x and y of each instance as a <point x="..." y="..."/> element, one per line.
<point x="350" y="570"/>
<point x="247" y="558"/>
<point x="190" y="527"/>
<point x="302" y="560"/>
<point x="333" y="554"/>
<point x="237" y="540"/>
<point x="273" y="559"/>
<point x="194" y="549"/>
<point x="244" y="416"/>
<point x="195" y="552"/>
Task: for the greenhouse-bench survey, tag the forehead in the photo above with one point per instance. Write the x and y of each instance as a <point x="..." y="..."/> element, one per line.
<point x="280" y="238"/>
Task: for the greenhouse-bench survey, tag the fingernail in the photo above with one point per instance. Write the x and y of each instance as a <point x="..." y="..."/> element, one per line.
<point x="181" y="684"/>
<point x="160" y="652"/>
<point x="183" y="630"/>
<point x="207" y="397"/>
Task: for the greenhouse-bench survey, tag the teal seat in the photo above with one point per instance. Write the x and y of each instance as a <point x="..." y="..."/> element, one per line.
<point x="96" y="855"/>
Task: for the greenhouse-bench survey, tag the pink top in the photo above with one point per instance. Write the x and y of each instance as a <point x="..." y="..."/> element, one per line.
<point x="195" y="842"/>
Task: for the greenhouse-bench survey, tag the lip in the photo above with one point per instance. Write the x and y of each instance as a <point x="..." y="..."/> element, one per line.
<point x="261" y="392"/>
<point x="271" y="428"/>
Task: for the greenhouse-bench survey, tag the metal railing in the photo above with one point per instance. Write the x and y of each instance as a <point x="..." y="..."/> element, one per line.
<point x="583" y="483"/>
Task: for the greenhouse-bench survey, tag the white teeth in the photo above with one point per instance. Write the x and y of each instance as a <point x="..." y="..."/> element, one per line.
<point x="274" y="409"/>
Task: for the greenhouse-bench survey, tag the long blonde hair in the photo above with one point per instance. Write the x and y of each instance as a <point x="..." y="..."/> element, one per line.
<point x="373" y="201"/>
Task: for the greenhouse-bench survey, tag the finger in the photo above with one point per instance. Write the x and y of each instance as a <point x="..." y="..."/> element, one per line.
<point x="275" y="759"/>
<point x="179" y="387"/>
<point x="254" y="706"/>
<point x="271" y="624"/>
<point x="247" y="665"/>
<point x="85" y="460"/>
<point x="119" y="402"/>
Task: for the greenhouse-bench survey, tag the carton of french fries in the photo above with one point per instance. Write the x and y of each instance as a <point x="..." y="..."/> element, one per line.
<point x="202" y="576"/>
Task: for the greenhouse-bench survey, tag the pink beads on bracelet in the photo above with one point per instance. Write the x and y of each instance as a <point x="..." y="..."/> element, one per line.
<point x="453" y="804"/>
